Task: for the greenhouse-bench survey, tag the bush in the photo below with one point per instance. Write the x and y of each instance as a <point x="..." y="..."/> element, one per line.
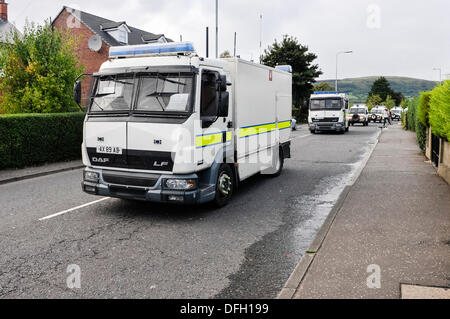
<point x="440" y="111"/>
<point x="38" y="71"/>
<point x="412" y="113"/>
<point x="423" y="108"/>
<point x="421" y="133"/>
<point x="30" y="139"/>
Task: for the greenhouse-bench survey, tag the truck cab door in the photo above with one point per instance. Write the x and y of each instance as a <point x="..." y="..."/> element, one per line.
<point x="214" y="117"/>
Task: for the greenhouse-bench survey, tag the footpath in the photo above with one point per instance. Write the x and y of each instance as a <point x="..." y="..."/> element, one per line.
<point x="14" y="175"/>
<point x="388" y="236"/>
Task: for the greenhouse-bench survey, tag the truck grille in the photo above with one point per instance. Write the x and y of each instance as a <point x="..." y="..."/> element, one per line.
<point x="327" y="120"/>
<point x="130" y="179"/>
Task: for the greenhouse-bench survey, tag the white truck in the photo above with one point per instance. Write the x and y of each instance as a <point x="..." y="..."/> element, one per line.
<point x="165" y="125"/>
<point x="328" y="112"/>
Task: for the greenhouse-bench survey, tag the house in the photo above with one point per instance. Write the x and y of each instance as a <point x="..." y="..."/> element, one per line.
<point x="6" y="28"/>
<point x="98" y="35"/>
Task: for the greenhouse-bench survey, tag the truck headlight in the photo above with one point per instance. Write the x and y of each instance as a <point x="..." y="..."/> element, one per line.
<point x="181" y="184"/>
<point x="91" y="176"/>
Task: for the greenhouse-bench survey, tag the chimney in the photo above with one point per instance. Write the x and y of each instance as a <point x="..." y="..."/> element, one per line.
<point x="3" y="10"/>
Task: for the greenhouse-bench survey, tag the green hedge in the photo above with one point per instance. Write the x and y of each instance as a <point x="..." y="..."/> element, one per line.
<point x="31" y="139"/>
<point x="440" y="111"/>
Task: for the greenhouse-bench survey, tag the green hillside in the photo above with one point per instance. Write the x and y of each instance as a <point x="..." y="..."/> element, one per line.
<point x="358" y="88"/>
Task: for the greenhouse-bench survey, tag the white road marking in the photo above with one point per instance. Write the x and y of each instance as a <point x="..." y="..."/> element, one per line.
<point x="73" y="209"/>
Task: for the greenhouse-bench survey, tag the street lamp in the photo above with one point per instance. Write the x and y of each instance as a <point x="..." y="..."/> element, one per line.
<point x="440" y="74"/>
<point x="217" y="29"/>
<point x="337" y="56"/>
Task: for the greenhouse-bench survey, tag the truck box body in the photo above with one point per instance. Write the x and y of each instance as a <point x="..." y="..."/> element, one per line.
<point x="262" y="99"/>
<point x="158" y="122"/>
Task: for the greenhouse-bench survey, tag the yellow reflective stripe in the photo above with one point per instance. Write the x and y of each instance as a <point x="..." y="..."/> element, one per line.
<point x="256" y="130"/>
<point x="284" y="125"/>
<point x="212" y="139"/>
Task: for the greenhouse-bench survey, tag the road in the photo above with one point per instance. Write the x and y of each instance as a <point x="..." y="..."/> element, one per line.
<point x="141" y="250"/>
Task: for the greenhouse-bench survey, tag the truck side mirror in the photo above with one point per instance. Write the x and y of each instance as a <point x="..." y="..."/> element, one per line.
<point x="224" y="103"/>
<point x="222" y="83"/>
<point x="77" y="92"/>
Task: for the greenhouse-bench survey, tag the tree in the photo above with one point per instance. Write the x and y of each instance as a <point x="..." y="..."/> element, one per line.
<point x="38" y="71"/>
<point x="323" y="87"/>
<point x="389" y="103"/>
<point x="289" y="51"/>
<point x="225" y="54"/>
<point x="373" y="101"/>
<point x="383" y="88"/>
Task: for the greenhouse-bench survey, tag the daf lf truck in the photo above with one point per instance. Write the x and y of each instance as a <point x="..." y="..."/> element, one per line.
<point x="165" y="125"/>
<point x="328" y="112"/>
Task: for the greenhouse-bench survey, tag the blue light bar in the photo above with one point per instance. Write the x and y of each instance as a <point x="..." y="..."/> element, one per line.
<point x="152" y="49"/>
<point x="328" y="92"/>
<point x="285" y="68"/>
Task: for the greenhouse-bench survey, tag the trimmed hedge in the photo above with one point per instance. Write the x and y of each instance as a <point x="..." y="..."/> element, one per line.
<point x="31" y="139"/>
<point x="440" y="111"/>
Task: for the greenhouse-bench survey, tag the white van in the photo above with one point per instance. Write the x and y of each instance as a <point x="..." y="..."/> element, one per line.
<point x="166" y="125"/>
<point x="328" y="112"/>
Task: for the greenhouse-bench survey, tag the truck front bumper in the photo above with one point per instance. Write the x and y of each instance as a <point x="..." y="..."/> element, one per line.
<point x="336" y="127"/>
<point x="157" y="193"/>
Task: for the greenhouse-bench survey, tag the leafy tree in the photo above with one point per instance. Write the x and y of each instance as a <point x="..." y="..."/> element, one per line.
<point x="373" y="101"/>
<point x="398" y="97"/>
<point x="323" y="87"/>
<point x="389" y="103"/>
<point x="383" y="88"/>
<point x="225" y="54"/>
<point x="38" y="71"/>
<point x="289" y="51"/>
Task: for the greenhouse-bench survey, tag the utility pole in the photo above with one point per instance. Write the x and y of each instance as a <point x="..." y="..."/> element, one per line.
<point x="260" y="38"/>
<point x="207" y="42"/>
<point x="235" y="37"/>
<point x="217" y="29"/>
<point x="337" y="56"/>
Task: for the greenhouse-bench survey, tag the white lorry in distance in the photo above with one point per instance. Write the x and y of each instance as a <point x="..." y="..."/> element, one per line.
<point x="328" y="112"/>
<point x="165" y="125"/>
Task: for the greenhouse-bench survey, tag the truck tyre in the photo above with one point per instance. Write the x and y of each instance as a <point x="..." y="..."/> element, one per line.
<point x="280" y="164"/>
<point x="224" y="186"/>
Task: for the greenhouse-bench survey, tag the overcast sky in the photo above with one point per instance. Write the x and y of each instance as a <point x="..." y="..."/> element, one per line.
<point x="388" y="37"/>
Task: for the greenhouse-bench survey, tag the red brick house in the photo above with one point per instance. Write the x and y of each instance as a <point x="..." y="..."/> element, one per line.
<point x="6" y="28"/>
<point x="103" y="33"/>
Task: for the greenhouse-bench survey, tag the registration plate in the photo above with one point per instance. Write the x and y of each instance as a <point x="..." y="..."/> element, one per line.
<point x="109" y="150"/>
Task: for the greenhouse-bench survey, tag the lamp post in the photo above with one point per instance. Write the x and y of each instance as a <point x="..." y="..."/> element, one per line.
<point x="217" y="29"/>
<point x="337" y="57"/>
<point x="440" y="74"/>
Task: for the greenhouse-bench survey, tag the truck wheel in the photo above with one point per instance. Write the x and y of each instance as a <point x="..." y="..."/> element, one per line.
<point x="280" y="165"/>
<point x="224" y="186"/>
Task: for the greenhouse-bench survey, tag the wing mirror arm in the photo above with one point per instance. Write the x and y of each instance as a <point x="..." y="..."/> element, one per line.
<point x="77" y="90"/>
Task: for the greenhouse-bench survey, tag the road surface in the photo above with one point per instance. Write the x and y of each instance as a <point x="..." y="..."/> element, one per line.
<point x="129" y="249"/>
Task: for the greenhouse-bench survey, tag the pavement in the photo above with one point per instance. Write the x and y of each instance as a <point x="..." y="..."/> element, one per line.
<point x="14" y="175"/>
<point x="388" y="235"/>
<point x="130" y="249"/>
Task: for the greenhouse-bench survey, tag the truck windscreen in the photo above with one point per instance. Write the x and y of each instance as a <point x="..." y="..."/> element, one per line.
<point x="326" y="104"/>
<point x="164" y="93"/>
<point x="113" y="93"/>
<point x="143" y="93"/>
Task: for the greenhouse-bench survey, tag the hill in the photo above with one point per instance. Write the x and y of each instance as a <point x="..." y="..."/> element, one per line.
<point x="358" y="88"/>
